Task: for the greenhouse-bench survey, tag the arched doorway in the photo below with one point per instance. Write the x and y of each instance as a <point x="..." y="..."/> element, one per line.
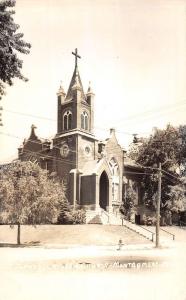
<point x="104" y="191"/>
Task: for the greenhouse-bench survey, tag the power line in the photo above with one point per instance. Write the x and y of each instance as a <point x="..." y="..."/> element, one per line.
<point x="152" y="111"/>
<point x="29" y="115"/>
<point x="41" y="154"/>
<point x="41" y="143"/>
<point x="159" y="111"/>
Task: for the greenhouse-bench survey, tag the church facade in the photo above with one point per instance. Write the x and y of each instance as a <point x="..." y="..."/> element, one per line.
<point x="92" y="170"/>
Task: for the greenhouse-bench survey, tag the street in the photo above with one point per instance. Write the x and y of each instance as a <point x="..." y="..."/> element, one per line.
<point x="93" y="273"/>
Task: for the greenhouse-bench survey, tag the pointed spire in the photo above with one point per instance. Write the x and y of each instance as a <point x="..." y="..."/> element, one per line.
<point x="75" y="81"/>
<point x="61" y="89"/>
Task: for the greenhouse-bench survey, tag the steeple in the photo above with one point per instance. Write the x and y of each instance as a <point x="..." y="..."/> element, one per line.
<point x="75" y="81"/>
<point x="75" y="109"/>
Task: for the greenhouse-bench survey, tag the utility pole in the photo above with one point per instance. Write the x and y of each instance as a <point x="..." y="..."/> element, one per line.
<point x="158" y="206"/>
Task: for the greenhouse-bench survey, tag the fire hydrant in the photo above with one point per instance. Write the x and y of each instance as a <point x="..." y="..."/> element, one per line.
<point x="120" y="243"/>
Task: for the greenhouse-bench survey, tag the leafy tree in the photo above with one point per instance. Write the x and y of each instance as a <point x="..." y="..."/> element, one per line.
<point x="11" y="43"/>
<point x="29" y="196"/>
<point x="182" y="157"/>
<point x="178" y="198"/>
<point x="68" y="215"/>
<point x="163" y="146"/>
<point x="65" y="211"/>
<point x="129" y="202"/>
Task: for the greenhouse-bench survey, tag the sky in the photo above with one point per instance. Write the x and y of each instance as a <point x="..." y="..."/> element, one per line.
<point x="132" y="51"/>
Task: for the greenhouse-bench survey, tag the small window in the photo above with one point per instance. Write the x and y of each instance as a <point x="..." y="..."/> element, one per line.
<point x="67" y="120"/>
<point x="70" y="121"/>
<point x="84" y="121"/>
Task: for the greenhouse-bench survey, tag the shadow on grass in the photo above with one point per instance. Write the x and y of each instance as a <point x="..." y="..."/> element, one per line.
<point x="24" y="245"/>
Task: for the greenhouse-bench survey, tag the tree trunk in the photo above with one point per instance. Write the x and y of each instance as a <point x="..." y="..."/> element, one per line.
<point x="18" y="233"/>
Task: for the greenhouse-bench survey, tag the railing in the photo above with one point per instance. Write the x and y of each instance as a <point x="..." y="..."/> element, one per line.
<point x="148" y="231"/>
<point x="136" y="227"/>
<point x="106" y="214"/>
<point x="173" y="236"/>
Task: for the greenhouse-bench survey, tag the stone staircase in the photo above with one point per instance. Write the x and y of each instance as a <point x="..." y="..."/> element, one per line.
<point x="147" y="233"/>
<point x="97" y="217"/>
<point x="115" y="218"/>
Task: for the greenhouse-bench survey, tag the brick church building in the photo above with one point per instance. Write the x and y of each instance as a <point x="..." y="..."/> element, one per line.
<point x="93" y="170"/>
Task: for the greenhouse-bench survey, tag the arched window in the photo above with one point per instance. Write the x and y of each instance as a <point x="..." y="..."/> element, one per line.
<point x="67" y="120"/>
<point x="114" y="167"/>
<point x="115" y="179"/>
<point x="84" y="120"/>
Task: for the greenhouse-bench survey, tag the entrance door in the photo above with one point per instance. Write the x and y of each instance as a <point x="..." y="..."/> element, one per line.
<point x="104" y="191"/>
<point x="137" y="219"/>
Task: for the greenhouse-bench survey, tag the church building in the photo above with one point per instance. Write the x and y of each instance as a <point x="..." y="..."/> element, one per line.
<point x="92" y="170"/>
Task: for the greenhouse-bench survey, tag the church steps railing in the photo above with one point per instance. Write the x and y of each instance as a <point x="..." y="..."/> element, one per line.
<point x="105" y="213"/>
<point x="138" y="229"/>
<point x="173" y="235"/>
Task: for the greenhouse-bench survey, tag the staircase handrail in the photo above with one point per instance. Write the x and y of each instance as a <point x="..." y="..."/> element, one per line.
<point x="152" y="239"/>
<point x="106" y="213"/>
<point x="148" y="231"/>
<point x="173" y="235"/>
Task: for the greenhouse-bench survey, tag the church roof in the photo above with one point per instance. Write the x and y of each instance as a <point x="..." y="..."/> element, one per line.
<point x="75" y="83"/>
<point x="94" y="167"/>
<point x="128" y="162"/>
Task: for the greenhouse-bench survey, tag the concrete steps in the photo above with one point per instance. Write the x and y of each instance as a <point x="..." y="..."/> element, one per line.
<point x="111" y="218"/>
<point x="147" y="233"/>
<point x="96" y="220"/>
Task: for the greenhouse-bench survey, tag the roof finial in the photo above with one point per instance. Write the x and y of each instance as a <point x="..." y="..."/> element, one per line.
<point x="89" y="87"/>
<point x="76" y="56"/>
<point x="32" y="134"/>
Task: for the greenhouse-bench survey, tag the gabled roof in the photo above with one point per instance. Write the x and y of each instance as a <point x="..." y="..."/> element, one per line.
<point x="95" y="167"/>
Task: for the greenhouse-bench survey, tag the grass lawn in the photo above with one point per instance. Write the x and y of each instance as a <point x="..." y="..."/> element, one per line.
<point x="102" y="235"/>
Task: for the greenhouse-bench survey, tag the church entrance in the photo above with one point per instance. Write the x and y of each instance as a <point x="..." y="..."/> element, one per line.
<point x="104" y="191"/>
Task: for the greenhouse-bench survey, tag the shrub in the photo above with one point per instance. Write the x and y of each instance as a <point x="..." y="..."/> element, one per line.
<point x="78" y="216"/>
<point x="71" y="216"/>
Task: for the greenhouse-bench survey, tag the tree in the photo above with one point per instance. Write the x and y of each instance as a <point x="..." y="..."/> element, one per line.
<point x="129" y="202"/>
<point x="163" y="146"/>
<point x="11" y="43"/>
<point x="178" y="198"/>
<point x="182" y="158"/>
<point x="29" y="196"/>
<point x="69" y="215"/>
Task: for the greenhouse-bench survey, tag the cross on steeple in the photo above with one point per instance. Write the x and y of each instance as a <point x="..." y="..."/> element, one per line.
<point x="76" y="56"/>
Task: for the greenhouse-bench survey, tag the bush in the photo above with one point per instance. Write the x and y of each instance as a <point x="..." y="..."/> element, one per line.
<point x="78" y="217"/>
<point x="70" y="216"/>
<point x="147" y="220"/>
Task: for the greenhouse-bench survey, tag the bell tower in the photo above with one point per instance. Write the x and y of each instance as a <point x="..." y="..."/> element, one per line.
<point x="74" y="145"/>
<point x="75" y="109"/>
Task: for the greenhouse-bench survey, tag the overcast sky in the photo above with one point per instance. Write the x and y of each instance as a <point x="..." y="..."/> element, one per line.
<point x="133" y="52"/>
